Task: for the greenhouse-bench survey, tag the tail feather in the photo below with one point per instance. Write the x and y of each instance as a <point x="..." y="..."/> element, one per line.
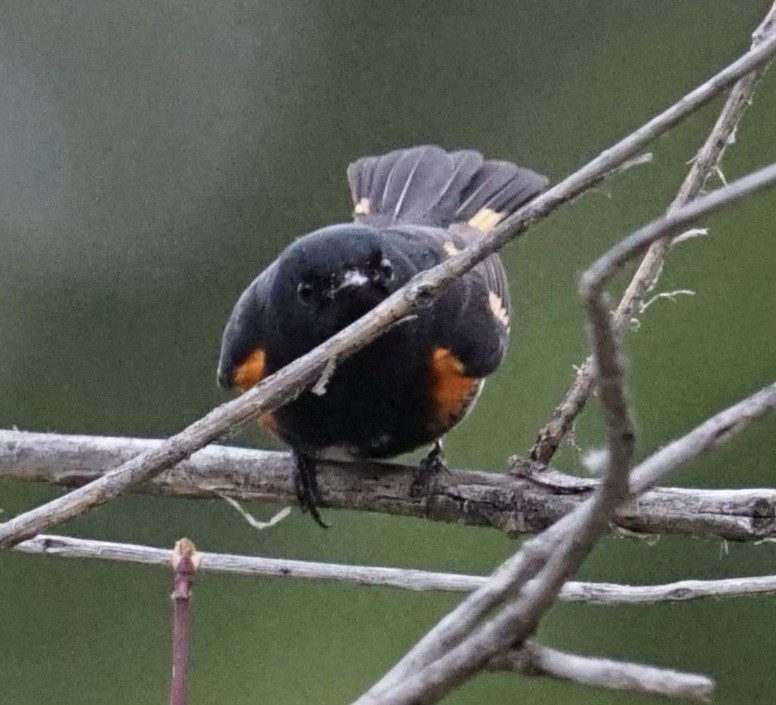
<point x="486" y="189"/>
<point x="428" y="186"/>
<point x="412" y="176"/>
<point x="466" y="164"/>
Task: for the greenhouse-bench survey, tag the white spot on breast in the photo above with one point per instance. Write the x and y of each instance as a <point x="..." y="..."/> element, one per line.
<point x="362" y="207"/>
<point x="498" y="309"/>
<point x="353" y="277"/>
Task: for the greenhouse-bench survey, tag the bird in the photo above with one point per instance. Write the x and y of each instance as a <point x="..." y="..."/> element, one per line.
<point x="412" y="209"/>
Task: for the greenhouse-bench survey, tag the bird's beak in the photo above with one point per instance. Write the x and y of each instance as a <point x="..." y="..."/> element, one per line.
<point x="351" y="278"/>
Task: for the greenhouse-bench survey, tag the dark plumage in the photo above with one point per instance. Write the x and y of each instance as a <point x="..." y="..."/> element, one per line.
<point x="413" y="209"/>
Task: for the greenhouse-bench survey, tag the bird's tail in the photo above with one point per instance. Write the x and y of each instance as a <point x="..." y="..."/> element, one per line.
<point x="429" y="186"/>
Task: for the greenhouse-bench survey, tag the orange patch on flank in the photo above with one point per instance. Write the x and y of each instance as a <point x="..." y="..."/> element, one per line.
<point x="251" y="371"/>
<point x="249" y="374"/>
<point x="451" y="388"/>
<point x="269" y="422"/>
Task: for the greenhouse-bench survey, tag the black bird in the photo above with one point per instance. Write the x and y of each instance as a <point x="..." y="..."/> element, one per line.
<point x="413" y="209"/>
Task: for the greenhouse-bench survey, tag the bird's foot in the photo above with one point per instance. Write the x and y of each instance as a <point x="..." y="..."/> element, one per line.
<point x="432" y="464"/>
<point x="306" y="486"/>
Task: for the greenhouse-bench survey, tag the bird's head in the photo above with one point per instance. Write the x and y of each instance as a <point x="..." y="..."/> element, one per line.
<point x="320" y="284"/>
<point x="335" y="275"/>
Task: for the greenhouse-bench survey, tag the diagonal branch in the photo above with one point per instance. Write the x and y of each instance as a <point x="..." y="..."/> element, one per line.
<point x="631" y="305"/>
<point x="526" y="501"/>
<point x="303" y="373"/>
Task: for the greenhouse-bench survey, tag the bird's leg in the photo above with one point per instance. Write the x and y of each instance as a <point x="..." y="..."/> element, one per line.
<point x="306" y="486"/>
<point x="433" y="463"/>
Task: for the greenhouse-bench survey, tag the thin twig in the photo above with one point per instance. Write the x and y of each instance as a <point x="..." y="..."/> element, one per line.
<point x="704" y="165"/>
<point x="184" y="564"/>
<point x="536" y="660"/>
<point x="605" y="594"/>
<point x="252" y="521"/>
<point x="527" y="500"/>
<point x="304" y="372"/>
<point x="599" y="274"/>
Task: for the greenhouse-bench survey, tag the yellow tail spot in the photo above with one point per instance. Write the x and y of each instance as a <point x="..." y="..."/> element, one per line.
<point x="486" y="219"/>
<point x="498" y="309"/>
<point x="362" y="207"/>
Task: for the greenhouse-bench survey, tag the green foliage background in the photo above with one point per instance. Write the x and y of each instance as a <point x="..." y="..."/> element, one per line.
<point x="154" y="156"/>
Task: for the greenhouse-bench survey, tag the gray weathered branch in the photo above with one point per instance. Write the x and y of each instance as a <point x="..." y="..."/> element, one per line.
<point x="705" y="164"/>
<point x="301" y="374"/>
<point x="605" y="594"/>
<point x="527" y="500"/>
<point x="530" y="660"/>
<point x="536" y="660"/>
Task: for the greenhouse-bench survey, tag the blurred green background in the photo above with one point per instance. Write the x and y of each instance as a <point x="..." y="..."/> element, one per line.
<point x="154" y="156"/>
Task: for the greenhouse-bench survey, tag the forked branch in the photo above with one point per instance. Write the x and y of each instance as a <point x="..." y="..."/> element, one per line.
<point x="705" y="164"/>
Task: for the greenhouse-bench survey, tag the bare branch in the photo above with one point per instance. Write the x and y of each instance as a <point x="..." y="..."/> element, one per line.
<point x="526" y="501"/>
<point x="606" y="594"/>
<point x="409" y="673"/>
<point x="446" y="657"/>
<point x="531" y="660"/>
<point x="536" y="660"/>
<point x="679" y="591"/>
<point x="705" y="164"/>
<point x="304" y="372"/>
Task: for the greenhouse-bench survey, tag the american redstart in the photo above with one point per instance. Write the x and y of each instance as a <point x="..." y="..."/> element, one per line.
<point x="413" y="208"/>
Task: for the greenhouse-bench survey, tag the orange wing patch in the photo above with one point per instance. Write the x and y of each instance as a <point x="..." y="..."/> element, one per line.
<point x="452" y="390"/>
<point x="251" y="371"/>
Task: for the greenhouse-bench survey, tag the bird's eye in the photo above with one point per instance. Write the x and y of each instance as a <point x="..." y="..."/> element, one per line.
<point x="305" y="292"/>
<point x="386" y="269"/>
